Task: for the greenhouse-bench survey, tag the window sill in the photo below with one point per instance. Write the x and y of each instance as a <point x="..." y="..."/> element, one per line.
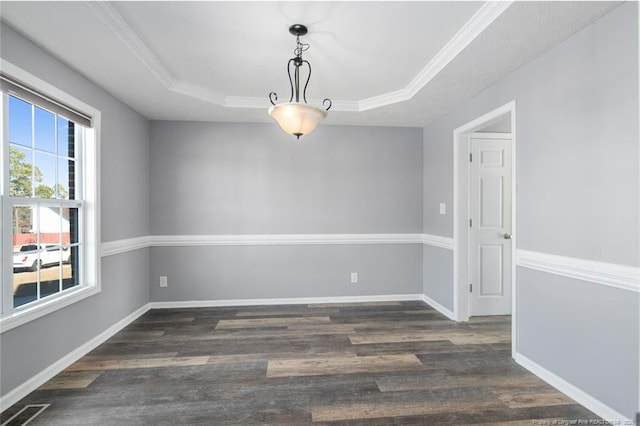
<point x="22" y="316"/>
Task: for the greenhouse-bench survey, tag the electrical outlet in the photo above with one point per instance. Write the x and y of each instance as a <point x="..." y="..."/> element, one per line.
<point x="443" y="208"/>
<point x="163" y="281"/>
<point x="354" y="277"/>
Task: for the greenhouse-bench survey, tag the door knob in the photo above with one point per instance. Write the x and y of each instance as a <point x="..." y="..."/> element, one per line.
<point x="507" y="236"/>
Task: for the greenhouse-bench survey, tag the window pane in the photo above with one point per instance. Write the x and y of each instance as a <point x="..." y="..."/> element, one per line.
<point x="25" y="287"/>
<point x="71" y="268"/>
<point x="50" y="224"/>
<point x="63" y="136"/>
<point x="69" y="226"/>
<point x="44" y="263"/>
<point x="23" y="225"/>
<point x="45" y="175"/>
<point x="45" y="130"/>
<point x="66" y="172"/>
<point x="19" y="122"/>
<point x="50" y="271"/>
<point x="26" y="256"/>
<point x="20" y="172"/>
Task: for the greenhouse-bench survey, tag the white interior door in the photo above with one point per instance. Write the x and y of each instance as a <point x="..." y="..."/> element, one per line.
<point x="490" y="224"/>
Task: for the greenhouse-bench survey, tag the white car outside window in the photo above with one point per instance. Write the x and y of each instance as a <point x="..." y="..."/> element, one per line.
<point x="29" y="256"/>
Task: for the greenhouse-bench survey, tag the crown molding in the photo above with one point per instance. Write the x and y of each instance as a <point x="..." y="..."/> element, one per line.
<point x="198" y="92"/>
<point x="121" y="28"/>
<point x="472" y="29"/>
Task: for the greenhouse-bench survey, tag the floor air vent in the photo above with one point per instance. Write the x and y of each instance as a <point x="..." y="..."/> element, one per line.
<point x="26" y="415"/>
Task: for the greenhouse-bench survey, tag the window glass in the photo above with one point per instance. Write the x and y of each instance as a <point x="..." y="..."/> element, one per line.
<point x="45" y="130"/>
<point x="20" y="171"/>
<point x="46" y="226"/>
<point x="45" y="175"/>
<point x="66" y="168"/>
<point x="63" y="136"/>
<point x="19" y="122"/>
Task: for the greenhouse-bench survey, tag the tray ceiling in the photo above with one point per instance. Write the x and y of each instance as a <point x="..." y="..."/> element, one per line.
<point x="382" y="63"/>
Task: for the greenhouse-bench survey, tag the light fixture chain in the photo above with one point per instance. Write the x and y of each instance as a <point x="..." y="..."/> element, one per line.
<point x="300" y="47"/>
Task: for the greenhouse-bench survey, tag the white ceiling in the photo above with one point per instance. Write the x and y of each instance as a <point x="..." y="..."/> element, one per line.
<point x="381" y="63"/>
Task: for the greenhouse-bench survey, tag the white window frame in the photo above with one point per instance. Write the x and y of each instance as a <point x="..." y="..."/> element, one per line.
<point x="89" y="276"/>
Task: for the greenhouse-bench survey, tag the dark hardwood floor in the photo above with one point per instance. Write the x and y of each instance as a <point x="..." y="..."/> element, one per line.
<point x="352" y="364"/>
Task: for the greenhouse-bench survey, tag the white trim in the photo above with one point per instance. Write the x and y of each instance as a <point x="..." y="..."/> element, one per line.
<point x="111" y="248"/>
<point x="581" y="397"/>
<point x="609" y="274"/>
<point x="22" y="390"/>
<point x="467" y="34"/>
<point x="23" y="315"/>
<point x="472" y="29"/>
<point x="438" y="307"/>
<point x="281" y="239"/>
<point x="438" y="241"/>
<point x="285" y="301"/>
<point x="118" y="26"/>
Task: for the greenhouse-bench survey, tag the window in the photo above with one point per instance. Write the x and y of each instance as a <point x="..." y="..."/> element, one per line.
<point x="49" y="199"/>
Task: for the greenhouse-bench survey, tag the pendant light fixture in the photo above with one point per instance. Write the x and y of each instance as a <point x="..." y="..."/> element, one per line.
<point x="294" y="117"/>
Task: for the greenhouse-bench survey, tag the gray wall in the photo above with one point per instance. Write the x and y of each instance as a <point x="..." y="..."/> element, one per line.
<point x="28" y="349"/>
<point x="437" y="282"/>
<point x="598" y="355"/>
<point x="267" y="272"/>
<point x="223" y="178"/>
<point x="578" y="196"/>
<point x="437" y="279"/>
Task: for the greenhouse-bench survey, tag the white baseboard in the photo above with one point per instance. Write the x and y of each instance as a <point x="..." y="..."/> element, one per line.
<point x="284" y="301"/>
<point x="581" y="397"/>
<point x="438" y="307"/>
<point x="24" y="389"/>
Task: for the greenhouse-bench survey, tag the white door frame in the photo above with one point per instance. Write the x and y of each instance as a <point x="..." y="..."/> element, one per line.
<point x="461" y="212"/>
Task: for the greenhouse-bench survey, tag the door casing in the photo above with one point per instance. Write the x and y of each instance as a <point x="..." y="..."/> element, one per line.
<point x="461" y="212"/>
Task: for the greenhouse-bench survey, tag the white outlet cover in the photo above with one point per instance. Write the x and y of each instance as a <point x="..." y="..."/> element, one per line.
<point x="354" y="277"/>
<point x="443" y="208"/>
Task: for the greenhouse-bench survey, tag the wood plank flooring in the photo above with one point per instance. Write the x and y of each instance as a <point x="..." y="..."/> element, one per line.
<point x="348" y="364"/>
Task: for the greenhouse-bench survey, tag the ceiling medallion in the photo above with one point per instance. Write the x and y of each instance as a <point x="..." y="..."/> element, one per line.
<point x="294" y="117"/>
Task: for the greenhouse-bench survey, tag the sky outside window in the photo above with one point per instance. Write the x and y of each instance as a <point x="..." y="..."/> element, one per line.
<point x="44" y="140"/>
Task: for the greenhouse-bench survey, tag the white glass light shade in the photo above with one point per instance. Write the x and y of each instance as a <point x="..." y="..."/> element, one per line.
<point x="297" y="119"/>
